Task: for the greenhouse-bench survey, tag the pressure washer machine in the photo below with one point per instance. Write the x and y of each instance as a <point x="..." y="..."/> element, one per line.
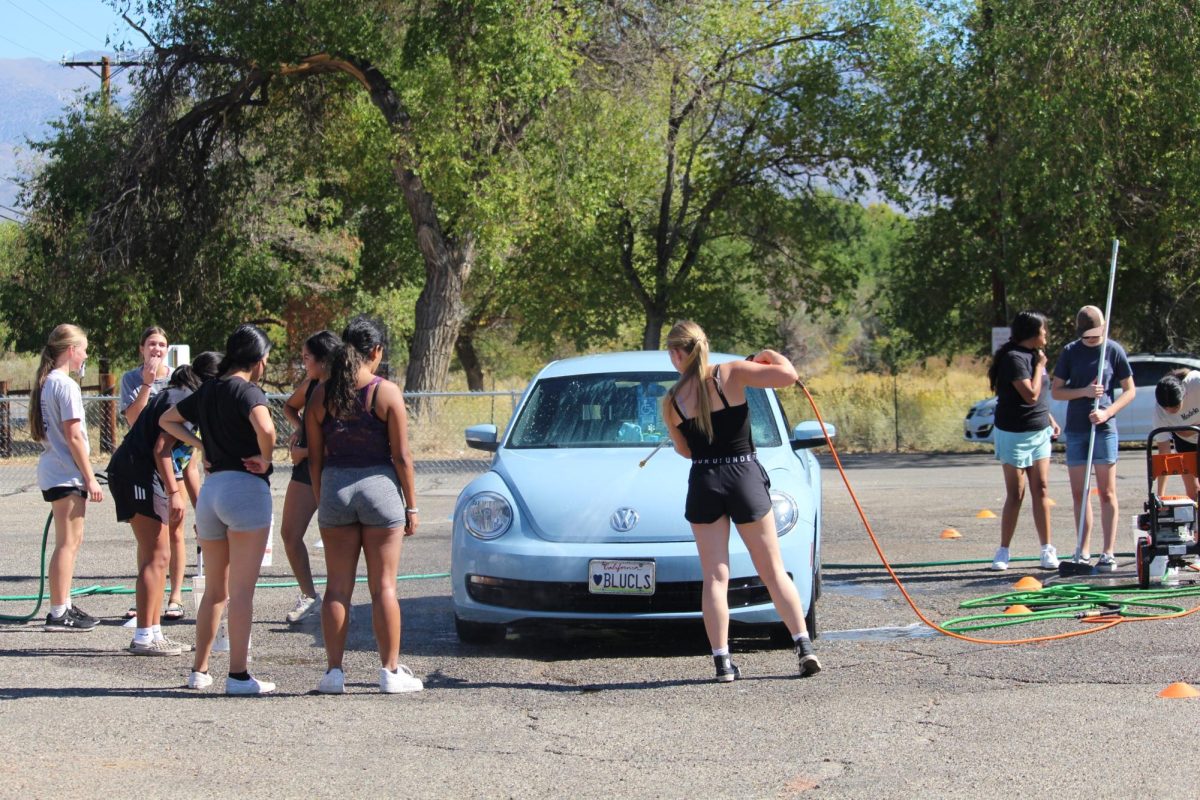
<point x="1168" y="526"/>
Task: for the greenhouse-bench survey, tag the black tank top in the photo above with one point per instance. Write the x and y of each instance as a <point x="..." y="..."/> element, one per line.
<point x="731" y="428"/>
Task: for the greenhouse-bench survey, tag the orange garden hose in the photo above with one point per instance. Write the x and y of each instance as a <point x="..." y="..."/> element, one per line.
<point x="1098" y="622"/>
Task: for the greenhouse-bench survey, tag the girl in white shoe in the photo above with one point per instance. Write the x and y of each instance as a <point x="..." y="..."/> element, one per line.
<point x="233" y="515"/>
<point x="64" y="473"/>
<point x="1022" y="431"/>
<point x="363" y="479"/>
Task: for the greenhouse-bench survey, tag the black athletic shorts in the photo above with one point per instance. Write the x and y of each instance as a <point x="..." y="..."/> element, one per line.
<point x="1183" y="445"/>
<point x="131" y="497"/>
<point x="741" y="490"/>
<point x="300" y="472"/>
<point x="59" y="492"/>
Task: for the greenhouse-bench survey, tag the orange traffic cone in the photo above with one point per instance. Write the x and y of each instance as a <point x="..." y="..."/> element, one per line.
<point x="950" y="533"/>
<point x="1028" y="584"/>
<point x="1179" y="691"/>
<point x="985" y="514"/>
<point x="1017" y="609"/>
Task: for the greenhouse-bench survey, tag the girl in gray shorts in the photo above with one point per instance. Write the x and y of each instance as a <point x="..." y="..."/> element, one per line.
<point x="362" y="476"/>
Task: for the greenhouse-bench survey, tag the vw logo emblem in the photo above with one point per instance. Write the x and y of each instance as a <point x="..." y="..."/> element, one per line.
<point x="623" y="519"/>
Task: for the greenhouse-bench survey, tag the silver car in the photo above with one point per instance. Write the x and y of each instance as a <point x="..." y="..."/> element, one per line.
<point x="1135" y="421"/>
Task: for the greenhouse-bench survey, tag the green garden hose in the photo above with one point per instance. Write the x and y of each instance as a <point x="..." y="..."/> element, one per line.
<point x="97" y="589"/>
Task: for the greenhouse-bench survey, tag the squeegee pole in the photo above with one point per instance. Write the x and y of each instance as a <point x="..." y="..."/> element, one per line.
<point x="1087" y="474"/>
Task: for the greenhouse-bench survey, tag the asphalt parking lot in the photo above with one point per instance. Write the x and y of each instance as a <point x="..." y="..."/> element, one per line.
<point x="897" y="712"/>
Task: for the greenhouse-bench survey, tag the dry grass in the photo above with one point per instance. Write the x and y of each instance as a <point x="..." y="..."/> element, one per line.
<point x="920" y="410"/>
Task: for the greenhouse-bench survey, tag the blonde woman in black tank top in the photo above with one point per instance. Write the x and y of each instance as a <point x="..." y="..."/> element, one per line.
<point x="705" y="413"/>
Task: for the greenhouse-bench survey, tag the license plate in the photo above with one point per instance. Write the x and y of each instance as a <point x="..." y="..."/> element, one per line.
<point x="620" y="576"/>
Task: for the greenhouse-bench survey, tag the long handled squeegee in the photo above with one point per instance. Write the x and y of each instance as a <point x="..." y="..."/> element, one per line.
<point x="1079" y="565"/>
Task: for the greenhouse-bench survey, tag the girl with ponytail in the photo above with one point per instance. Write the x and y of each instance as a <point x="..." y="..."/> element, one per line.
<point x="727" y="484"/>
<point x="363" y="480"/>
<point x="56" y="419"/>
<point x="145" y="477"/>
<point x="233" y="512"/>
<point x="1022" y="431"/>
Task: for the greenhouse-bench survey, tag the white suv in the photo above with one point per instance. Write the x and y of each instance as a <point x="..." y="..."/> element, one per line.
<point x="1134" y="422"/>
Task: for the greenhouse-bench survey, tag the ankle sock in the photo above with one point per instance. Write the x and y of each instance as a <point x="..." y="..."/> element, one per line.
<point x="721" y="651"/>
<point x="143" y="635"/>
<point x="240" y="676"/>
<point x="800" y="636"/>
<point x="58" y="611"/>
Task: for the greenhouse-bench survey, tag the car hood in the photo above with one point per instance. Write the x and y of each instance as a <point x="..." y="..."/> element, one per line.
<point x="574" y="495"/>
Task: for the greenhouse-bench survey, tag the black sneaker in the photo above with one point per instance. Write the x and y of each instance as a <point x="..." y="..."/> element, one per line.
<point x="81" y="615"/>
<point x="727" y="671"/>
<point x="74" y="623"/>
<point x="809" y="665"/>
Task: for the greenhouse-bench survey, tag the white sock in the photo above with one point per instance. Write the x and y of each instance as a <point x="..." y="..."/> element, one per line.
<point x="799" y="636"/>
<point x="58" y="611"/>
<point x="721" y="651"/>
<point x="157" y="631"/>
<point x="143" y="635"/>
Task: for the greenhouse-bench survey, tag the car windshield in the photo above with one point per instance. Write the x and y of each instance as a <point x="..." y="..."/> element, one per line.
<point x="613" y="410"/>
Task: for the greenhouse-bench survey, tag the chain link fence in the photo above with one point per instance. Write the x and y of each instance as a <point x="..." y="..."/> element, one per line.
<point x="436" y="434"/>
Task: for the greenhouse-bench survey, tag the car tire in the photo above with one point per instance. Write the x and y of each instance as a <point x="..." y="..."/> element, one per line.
<point x="479" y="632"/>
<point x="810" y="619"/>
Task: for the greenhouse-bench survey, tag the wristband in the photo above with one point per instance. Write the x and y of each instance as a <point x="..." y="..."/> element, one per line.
<point x="411" y="511"/>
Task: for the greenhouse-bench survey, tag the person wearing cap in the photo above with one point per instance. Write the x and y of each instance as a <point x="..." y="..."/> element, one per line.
<point x="1177" y="403"/>
<point x="1075" y="380"/>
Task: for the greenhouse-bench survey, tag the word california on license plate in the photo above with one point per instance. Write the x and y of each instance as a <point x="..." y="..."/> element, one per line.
<point x="624" y="576"/>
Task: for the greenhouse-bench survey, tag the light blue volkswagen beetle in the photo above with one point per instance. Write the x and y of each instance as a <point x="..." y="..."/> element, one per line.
<point x="567" y="525"/>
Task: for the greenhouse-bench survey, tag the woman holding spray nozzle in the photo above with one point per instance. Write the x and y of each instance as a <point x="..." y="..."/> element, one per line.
<point x="709" y="422"/>
<point x="1023" y="429"/>
<point x="1091" y="404"/>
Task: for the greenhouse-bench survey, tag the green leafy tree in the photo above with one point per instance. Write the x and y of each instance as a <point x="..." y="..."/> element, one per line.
<point x="1042" y="131"/>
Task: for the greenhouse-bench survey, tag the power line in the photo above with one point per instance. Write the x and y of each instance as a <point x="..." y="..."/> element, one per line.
<point x="48" y="25"/>
<point x="26" y="49"/>
<point x="65" y="17"/>
<point x="10" y="219"/>
<point x="16" y="211"/>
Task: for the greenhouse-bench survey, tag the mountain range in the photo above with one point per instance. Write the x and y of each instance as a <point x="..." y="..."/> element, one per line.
<point x="33" y="93"/>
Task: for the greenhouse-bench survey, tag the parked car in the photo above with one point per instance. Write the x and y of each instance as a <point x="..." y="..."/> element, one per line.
<point x="1134" y="422"/>
<point x="568" y="525"/>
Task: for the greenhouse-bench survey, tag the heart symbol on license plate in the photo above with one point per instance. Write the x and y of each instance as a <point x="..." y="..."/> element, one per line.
<point x="596" y="579"/>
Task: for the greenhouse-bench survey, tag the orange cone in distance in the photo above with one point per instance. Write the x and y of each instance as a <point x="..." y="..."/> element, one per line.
<point x="950" y="533"/>
<point x="1094" y="491"/>
<point x="1050" y="501"/>
<point x="985" y="514"/>
<point x="1179" y="691"/>
<point x="1028" y="584"/>
<point x="1017" y="609"/>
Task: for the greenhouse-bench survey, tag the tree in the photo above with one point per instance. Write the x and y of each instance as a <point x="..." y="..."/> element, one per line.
<point x="1043" y="130"/>
<point x="743" y="101"/>
<point x="455" y="83"/>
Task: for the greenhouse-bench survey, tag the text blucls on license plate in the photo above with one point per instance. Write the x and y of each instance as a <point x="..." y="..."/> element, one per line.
<point x="624" y="576"/>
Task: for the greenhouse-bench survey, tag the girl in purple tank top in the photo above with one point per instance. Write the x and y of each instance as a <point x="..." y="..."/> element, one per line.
<point x="364" y="483"/>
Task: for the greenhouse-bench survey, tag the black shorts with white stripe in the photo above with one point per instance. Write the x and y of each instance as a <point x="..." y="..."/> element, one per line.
<point x="133" y="497"/>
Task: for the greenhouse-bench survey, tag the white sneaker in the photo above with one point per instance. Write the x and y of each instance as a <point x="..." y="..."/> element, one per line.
<point x="155" y="647"/>
<point x="1049" y="557"/>
<point x="1106" y="563"/>
<point x="199" y="680"/>
<point x="402" y="680"/>
<point x="1000" y="562"/>
<point x="332" y="682"/>
<point x="252" y="686"/>
<point x="305" y="606"/>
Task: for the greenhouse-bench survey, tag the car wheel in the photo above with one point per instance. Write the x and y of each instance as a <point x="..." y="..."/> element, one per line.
<point x="479" y="632"/>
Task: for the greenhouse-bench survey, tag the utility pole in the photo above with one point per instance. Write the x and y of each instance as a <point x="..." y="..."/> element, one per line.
<point x="105" y="74"/>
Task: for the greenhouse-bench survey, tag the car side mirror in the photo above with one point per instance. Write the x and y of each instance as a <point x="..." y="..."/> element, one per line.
<point x="483" y="437"/>
<point x="808" y="434"/>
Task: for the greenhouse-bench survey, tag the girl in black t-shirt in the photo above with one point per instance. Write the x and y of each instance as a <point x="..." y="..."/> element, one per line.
<point x="233" y="514"/>
<point x="1023" y="430"/>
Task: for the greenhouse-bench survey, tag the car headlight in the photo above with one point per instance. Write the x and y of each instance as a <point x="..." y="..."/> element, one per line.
<point x="487" y="515"/>
<point x="785" y="511"/>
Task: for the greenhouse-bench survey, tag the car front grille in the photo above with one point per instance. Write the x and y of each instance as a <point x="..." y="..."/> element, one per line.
<point x="574" y="598"/>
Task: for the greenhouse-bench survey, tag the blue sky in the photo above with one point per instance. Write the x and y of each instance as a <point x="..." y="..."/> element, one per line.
<point x="50" y="29"/>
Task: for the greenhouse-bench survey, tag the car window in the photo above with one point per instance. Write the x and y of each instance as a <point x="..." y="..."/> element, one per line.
<point x="1149" y="373"/>
<point x="612" y="410"/>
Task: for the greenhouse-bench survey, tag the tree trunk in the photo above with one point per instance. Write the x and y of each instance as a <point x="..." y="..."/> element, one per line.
<point x="464" y="348"/>
<point x="652" y="334"/>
